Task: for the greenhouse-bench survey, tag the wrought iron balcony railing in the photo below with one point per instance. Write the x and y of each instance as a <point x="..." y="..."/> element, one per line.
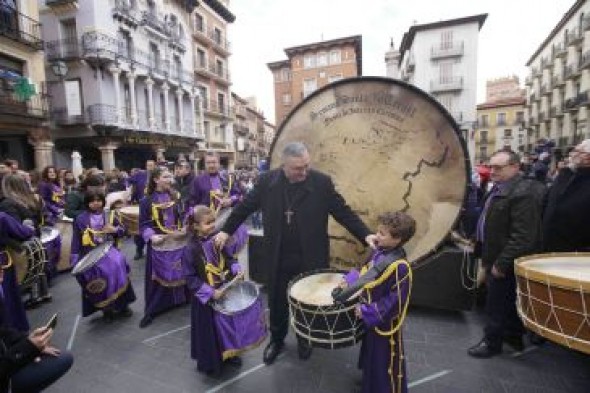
<point x="21" y="28"/>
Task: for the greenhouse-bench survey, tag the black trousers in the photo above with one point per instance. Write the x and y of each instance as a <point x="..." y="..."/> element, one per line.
<point x="278" y="304"/>
<point x="37" y="376"/>
<point x="503" y="320"/>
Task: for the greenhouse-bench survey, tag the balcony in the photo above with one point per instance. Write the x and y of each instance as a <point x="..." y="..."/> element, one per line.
<point x="546" y="63"/>
<point x="559" y="50"/>
<point x="99" y="48"/>
<point x="585" y="60"/>
<point x="574" y="37"/>
<point x="241" y="130"/>
<point x="154" y="23"/>
<point x="571" y="71"/>
<point x="124" y="12"/>
<point x="537" y="73"/>
<point x="583" y="98"/>
<point x="528" y="81"/>
<point x="213" y="107"/>
<point x="558" y="80"/>
<point x="35" y="107"/>
<point x="61" y="117"/>
<point x="571" y="104"/>
<point x="411" y="64"/>
<point x="586" y="23"/>
<point x="65" y="49"/>
<point x="546" y="89"/>
<point x="219" y="42"/>
<point x="556" y="111"/>
<point x="533" y="97"/>
<point x="446" y="84"/>
<point x="22" y="29"/>
<point x="60" y="6"/>
<point x="447" y="49"/>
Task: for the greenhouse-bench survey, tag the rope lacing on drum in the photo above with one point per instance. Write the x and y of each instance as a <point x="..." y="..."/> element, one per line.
<point x="468" y="271"/>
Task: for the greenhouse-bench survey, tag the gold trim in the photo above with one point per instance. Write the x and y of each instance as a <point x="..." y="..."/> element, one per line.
<point x="543" y="277"/>
<point x="113" y="297"/>
<point x="236" y="352"/>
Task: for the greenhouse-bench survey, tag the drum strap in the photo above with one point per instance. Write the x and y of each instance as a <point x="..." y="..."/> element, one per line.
<point x="215" y="199"/>
<point x="89" y="233"/>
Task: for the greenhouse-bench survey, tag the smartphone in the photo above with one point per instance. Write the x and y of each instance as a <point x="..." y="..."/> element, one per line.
<point x="52" y="322"/>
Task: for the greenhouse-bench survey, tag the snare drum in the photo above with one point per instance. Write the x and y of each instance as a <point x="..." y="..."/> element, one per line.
<point x="51" y="240"/>
<point x="314" y="316"/>
<point x="102" y="274"/>
<point x="553" y="297"/>
<point x="167" y="262"/>
<point x="130" y="219"/>
<point x="65" y="228"/>
<point x="240" y="319"/>
<point x="29" y="262"/>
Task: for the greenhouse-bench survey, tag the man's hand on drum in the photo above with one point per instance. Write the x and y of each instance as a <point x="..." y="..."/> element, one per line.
<point x="220" y="239"/>
<point x="371" y="240"/>
<point x="157" y="239"/>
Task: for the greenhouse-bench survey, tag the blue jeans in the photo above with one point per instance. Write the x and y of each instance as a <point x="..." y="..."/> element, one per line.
<point x="36" y="376"/>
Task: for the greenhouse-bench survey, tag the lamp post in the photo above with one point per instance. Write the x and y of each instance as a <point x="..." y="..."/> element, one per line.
<point x="60" y="69"/>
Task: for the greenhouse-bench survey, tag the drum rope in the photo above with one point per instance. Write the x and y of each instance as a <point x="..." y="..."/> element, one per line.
<point x="552" y="312"/>
<point x="468" y="272"/>
<point x="584" y="309"/>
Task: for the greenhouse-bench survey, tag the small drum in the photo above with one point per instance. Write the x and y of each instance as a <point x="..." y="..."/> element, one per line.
<point x="553" y="297"/>
<point x="239" y="319"/>
<point x="51" y="240"/>
<point x="65" y="228"/>
<point x="314" y="316"/>
<point x="29" y="262"/>
<point x="102" y="274"/>
<point x="167" y="262"/>
<point x="130" y="219"/>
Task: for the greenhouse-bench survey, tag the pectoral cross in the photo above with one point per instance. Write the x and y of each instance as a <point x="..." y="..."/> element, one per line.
<point x="288" y="214"/>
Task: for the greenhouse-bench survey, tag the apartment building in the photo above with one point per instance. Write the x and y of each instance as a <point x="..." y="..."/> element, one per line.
<point x="441" y="59"/>
<point x="312" y="66"/>
<point x="558" y="82"/>
<point x="24" y="130"/>
<point x="501" y="119"/>
<point x="211" y="63"/>
<point x="120" y="75"/>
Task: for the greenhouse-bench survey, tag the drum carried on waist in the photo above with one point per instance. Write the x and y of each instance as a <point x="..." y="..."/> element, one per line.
<point x="65" y="227"/>
<point x="553" y="297"/>
<point x="103" y="274"/>
<point x="239" y="319"/>
<point x="51" y="240"/>
<point x="29" y="262"/>
<point x="167" y="262"/>
<point x="130" y="219"/>
<point x="314" y="316"/>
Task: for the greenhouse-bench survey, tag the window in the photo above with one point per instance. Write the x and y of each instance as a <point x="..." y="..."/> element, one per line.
<point x="484" y="120"/>
<point x="334" y="78"/>
<point x="207" y="127"/>
<point x="201" y="58"/>
<point x="154" y="55"/>
<point x="309" y="86"/>
<point x="508" y="134"/>
<point x="483" y="136"/>
<point x="335" y="57"/>
<point x="125" y="44"/>
<point x="519" y="117"/>
<point x="219" y="68"/>
<point x="446" y="39"/>
<point x="204" y="96"/>
<point x="199" y="23"/>
<point x="286" y="74"/>
<point x="177" y="66"/>
<point x="483" y="152"/>
<point x="217" y="36"/>
<point x="446" y="72"/>
<point x="286" y="99"/>
<point x="221" y="102"/>
<point x="151" y="7"/>
<point x="70" y="37"/>
<point x="309" y="61"/>
<point x="322" y="59"/>
<point x="501" y="119"/>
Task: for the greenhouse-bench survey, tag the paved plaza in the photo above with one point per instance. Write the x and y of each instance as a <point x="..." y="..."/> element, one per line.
<point x="120" y="357"/>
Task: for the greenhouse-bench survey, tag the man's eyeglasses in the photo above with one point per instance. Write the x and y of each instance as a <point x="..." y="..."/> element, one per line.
<point x="498" y="167"/>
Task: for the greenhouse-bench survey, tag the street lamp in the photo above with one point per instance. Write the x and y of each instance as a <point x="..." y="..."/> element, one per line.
<point x="60" y="69"/>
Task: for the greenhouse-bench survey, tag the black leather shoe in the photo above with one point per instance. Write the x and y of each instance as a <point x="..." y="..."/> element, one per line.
<point x="235" y="361"/>
<point x="146" y="321"/>
<point x="483" y="350"/>
<point x="272" y="350"/>
<point x="515" y="342"/>
<point x="138" y="256"/>
<point x="126" y="312"/>
<point x="303" y="349"/>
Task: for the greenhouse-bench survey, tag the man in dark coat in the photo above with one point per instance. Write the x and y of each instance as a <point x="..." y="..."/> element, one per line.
<point x="509" y="227"/>
<point x="296" y="202"/>
<point x="567" y="206"/>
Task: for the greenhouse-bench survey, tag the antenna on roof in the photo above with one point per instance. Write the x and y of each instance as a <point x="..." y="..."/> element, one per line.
<point x="391" y="45"/>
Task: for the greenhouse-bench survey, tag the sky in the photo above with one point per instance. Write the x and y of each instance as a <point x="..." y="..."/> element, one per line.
<point x="512" y="32"/>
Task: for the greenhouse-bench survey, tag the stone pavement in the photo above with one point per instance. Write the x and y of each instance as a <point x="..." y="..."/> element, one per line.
<point x="119" y="357"/>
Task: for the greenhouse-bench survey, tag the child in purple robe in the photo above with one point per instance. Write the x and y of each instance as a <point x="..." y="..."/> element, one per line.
<point x="90" y="229"/>
<point x="206" y="269"/>
<point x="52" y="194"/>
<point x="384" y="302"/>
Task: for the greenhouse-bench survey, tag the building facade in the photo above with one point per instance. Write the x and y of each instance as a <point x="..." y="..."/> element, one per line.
<point x="312" y="66"/>
<point x="24" y="128"/>
<point x="120" y="76"/>
<point x="558" y="82"/>
<point x="441" y="59"/>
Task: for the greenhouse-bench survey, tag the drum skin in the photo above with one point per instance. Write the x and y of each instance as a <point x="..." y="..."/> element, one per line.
<point x="553" y="297"/>
<point x="327" y="326"/>
<point x="387" y="146"/>
<point x="65" y="228"/>
<point x="130" y="219"/>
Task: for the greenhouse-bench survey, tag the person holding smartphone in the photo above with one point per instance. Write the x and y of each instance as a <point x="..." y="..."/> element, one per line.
<point x="29" y="363"/>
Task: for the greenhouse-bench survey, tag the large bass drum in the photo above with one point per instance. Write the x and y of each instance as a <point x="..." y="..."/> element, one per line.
<point x="388" y="146"/>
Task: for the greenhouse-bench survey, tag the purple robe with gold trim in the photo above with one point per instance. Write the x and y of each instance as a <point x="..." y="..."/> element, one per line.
<point x="382" y="358"/>
<point x="96" y="221"/>
<point x="201" y="187"/>
<point x="13" y="312"/>
<point x="158" y="297"/>
<point x="53" y="200"/>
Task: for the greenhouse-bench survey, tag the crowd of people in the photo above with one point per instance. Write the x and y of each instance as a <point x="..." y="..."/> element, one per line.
<point x="190" y="226"/>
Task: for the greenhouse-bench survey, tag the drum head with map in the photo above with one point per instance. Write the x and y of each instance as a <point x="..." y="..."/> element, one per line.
<point x="388" y="146"/>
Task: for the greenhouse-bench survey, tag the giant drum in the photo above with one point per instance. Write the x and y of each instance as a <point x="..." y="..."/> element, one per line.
<point x="553" y="297"/>
<point x="65" y="226"/>
<point x="388" y="146"/>
<point x="130" y="219"/>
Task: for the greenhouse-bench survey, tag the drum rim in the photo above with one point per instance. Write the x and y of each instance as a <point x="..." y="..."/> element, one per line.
<point x="553" y="280"/>
<point x="54" y="233"/>
<point x="239" y="283"/>
<point x="123" y="208"/>
<point x="325" y="307"/>
<point x="108" y="244"/>
<point x="417" y="263"/>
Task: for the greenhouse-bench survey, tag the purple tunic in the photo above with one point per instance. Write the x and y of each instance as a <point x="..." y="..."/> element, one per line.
<point x="139" y="182"/>
<point x="201" y="187"/>
<point x="382" y="358"/>
<point x="118" y="292"/>
<point x="159" y="297"/>
<point x="53" y="200"/>
<point x="208" y="347"/>
<point x="13" y="313"/>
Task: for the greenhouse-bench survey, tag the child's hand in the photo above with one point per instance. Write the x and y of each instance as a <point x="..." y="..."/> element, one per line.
<point x="357" y="312"/>
<point x="109" y="229"/>
<point x="342" y="284"/>
<point x="217" y="294"/>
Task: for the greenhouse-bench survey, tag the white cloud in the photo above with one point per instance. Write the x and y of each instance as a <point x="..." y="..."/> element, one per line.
<point x="263" y="28"/>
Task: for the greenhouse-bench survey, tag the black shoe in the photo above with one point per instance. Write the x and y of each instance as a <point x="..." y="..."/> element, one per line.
<point x="304" y="349"/>
<point x="483" y="350"/>
<point x="32" y="303"/>
<point x="126" y="312"/>
<point x="514" y="342"/>
<point x="108" y="316"/>
<point x="272" y="350"/>
<point x="138" y="256"/>
<point x="47" y="298"/>
<point x="146" y="321"/>
<point x="235" y="361"/>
